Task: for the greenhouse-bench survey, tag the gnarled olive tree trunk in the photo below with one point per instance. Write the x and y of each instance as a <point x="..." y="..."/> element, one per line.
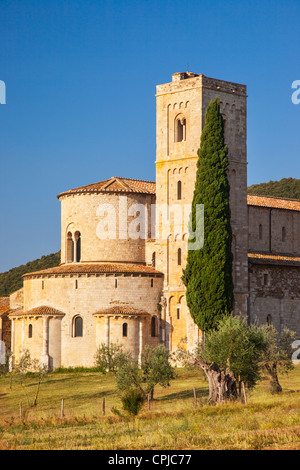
<point x="222" y="385"/>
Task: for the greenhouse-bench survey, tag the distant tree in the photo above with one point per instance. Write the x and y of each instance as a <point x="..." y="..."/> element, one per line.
<point x="286" y="187"/>
<point x="276" y="356"/>
<point x="12" y="280"/>
<point x="27" y="370"/>
<point x="110" y="358"/>
<point x="156" y="368"/>
<point x="208" y="273"/>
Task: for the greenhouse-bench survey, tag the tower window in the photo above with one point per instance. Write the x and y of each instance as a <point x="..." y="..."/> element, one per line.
<point x="179" y="185"/>
<point x="124" y="330"/>
<point x="116" y="283"/>
<point x="30" y="331"/>
<point x="180" y="129"/>
<point x="151" y="282"/>
<point x="153" y="259"/>
<point x="178" y="313"/>
<point x="179" y="256"/>
<point x="269" y="319"/>
<point x="260" y="231"/>
<point x="266" y="279"/>
<point x="283" y="234"/>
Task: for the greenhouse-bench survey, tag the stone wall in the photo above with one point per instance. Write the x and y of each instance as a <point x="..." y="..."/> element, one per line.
<point x="275" y="294"/>
<point x="273" y="230"/>
<point x="107" y="224"/>
<point x="84" y="295"/>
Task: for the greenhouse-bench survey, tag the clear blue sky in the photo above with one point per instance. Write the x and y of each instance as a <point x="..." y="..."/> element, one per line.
<point x="80" y="105"/>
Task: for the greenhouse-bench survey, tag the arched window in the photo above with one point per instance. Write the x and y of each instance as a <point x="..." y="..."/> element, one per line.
<point x="153" y="326"/>
<point x="180" y="128"/>
<point x="30" y="331"/>
<point x="124" y="330"/>
<point x="283" y="234"/>
<point x="78" y="327"/>
<point x="78" y="246"/>
<point x="179" y="185"/>
<point x="179" y="256"/>
<point x="70" y="248"/>
<point x="260" y="231"/>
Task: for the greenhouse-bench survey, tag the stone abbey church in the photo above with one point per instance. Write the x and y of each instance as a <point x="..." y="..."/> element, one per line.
<point x="128" y="289"/>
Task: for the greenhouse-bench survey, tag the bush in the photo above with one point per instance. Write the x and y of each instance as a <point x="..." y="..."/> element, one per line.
<point x="132" y="400"/>
<point x="111" y="358"/>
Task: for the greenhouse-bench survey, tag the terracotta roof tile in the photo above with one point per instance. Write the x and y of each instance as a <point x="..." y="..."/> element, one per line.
<point x="261" y="258"/>
<point x="273" y="202"/>
<point x="43" y="310"/>
<point x="121" y="309"/>
<point x="99" y="268"/>
<point x="4" y="305"/>
<point x="113" y="185"/>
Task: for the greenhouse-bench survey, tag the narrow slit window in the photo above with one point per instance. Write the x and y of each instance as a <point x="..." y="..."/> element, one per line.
<point x="153" y="326"/>
<point x="260" y="231"/>
<point x="283" y="234"/>
<point x="179" y="188"/>
<point x="30" y="331"/>
<point x="124" y="330"/>
<point x="179" y="256"/>
<point x="78" y="246"/>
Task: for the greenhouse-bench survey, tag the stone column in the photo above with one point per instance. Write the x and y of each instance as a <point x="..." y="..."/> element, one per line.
<point x="12" y="347"/>
<point x="45" y="355"/>
<point x="140" y="339"/>
<point x="23" y="335"/>
<point x="107" y="331"/>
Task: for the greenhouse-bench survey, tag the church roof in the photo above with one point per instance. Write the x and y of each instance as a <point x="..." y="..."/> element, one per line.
<point x="273" y="202"/>
<point x="120" y="309"/>
<point x="43" y="310"/>
<point x="4" y="305"/>
<point x="97" y="268"/>
<point x="115" y="185"/>
<point x="262" y="258"/>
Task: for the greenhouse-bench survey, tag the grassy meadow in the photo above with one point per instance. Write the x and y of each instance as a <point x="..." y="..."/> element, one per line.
<point x="173" y="421"/>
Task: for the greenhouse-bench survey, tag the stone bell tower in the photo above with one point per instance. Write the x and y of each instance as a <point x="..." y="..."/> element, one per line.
<point x="180" y="108"/>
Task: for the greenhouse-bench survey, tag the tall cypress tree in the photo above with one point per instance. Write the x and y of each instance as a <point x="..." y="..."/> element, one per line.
<point x="208" y="274"/>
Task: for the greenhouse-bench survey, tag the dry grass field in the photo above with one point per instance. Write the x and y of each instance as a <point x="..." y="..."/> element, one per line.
<point x="173" y="422"/>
